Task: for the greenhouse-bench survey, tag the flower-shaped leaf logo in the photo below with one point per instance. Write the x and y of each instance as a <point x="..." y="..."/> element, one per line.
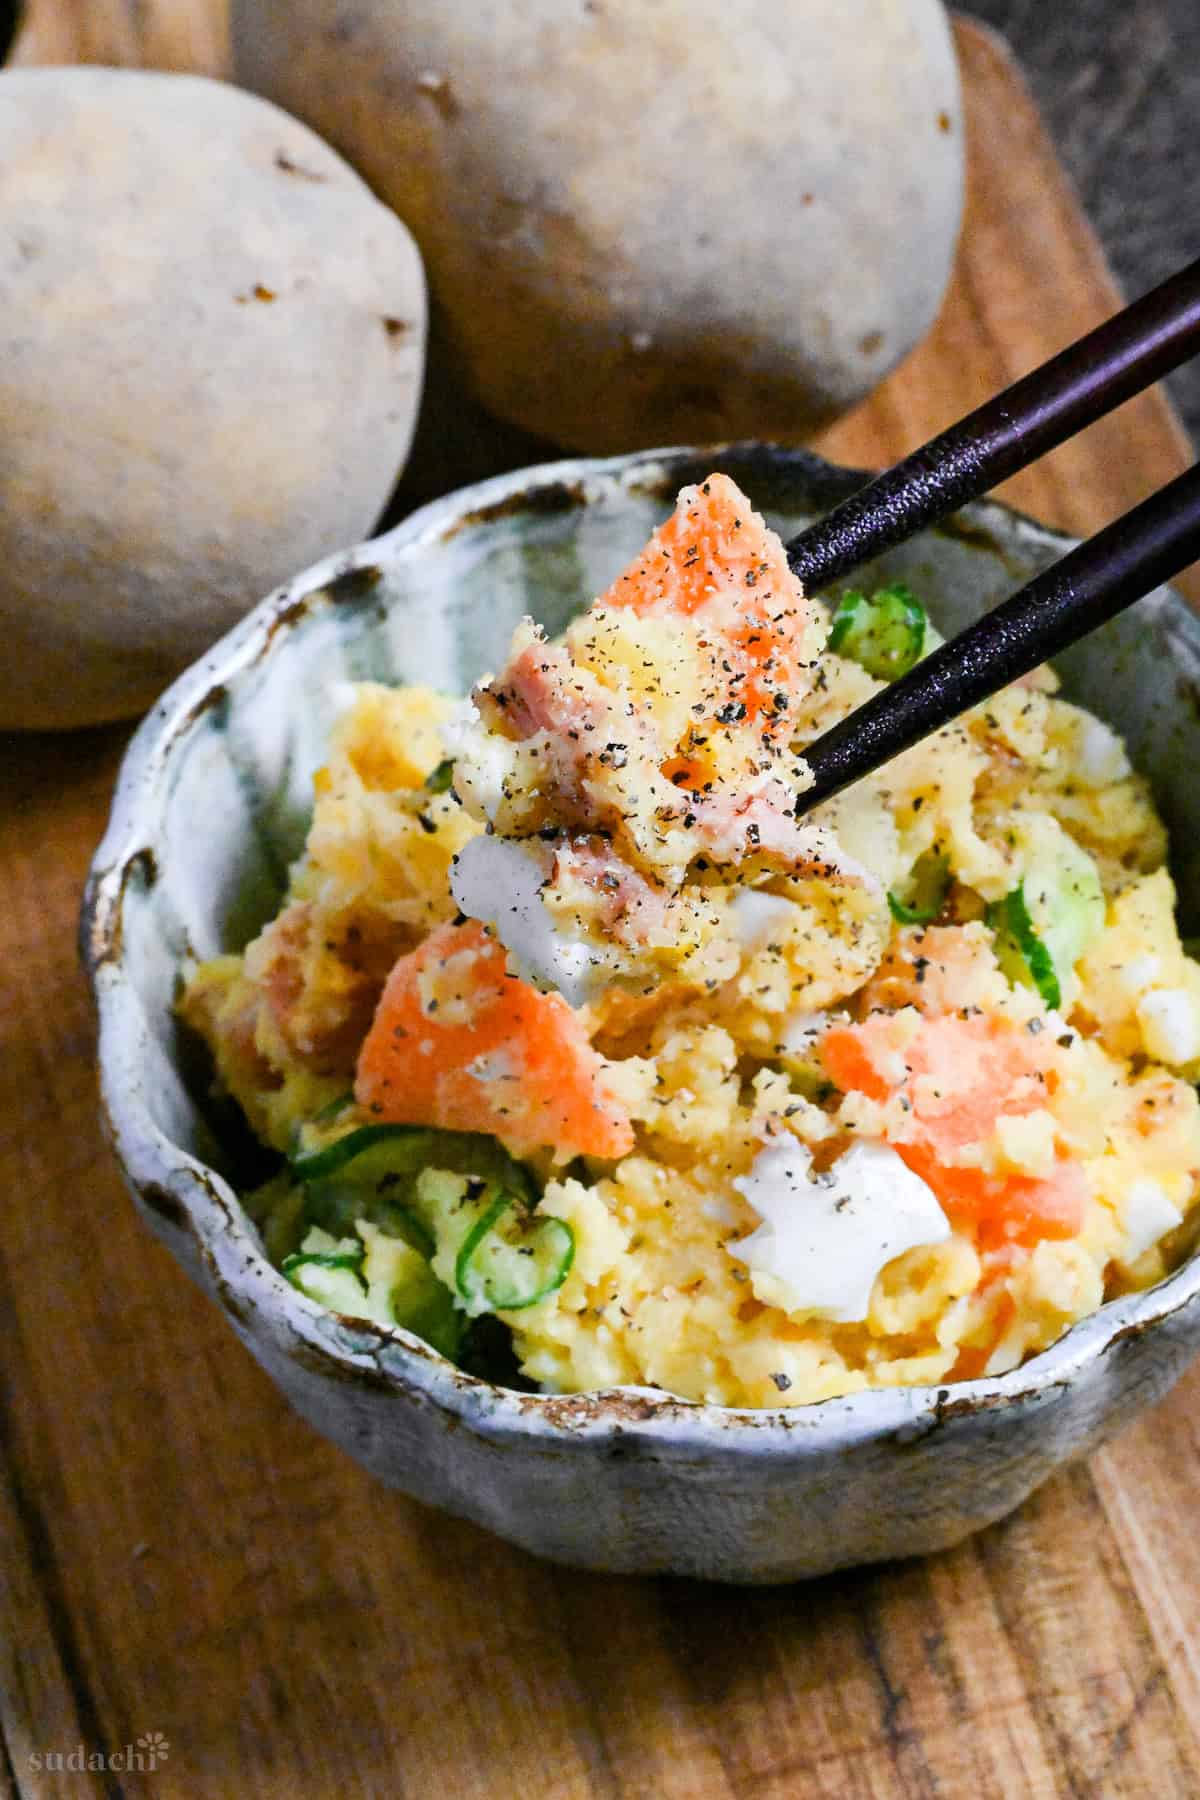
<point x="156" y="1746"/>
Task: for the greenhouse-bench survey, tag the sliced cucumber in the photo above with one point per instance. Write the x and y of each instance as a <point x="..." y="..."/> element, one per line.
<point x="510" y="1260"/>
<point x="924" y="893"/>
<point x="441" y="779"/>
<point x="1053" y="915"/>
<point x="446" y="1218"/>
<point x="403" y="1290"/>
<point x="497" y="1253"/>
<point x="885" y="634"/>
<point x="372" y="1173"/>
<point x="321" y="1155"/>
<point x="329" y="1270"/>
<point x="381" y="1278"/>
<point x="340" y="1205"/>
<point x="1020" y="952"/>
<point x="372" y="1153"/>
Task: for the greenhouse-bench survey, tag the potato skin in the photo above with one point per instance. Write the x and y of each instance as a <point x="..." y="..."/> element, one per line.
<point x="211" y="347"/>
<point x="648" y="223"/>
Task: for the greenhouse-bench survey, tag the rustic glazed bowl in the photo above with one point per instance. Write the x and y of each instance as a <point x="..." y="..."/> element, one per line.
<point x="211" y="805"/>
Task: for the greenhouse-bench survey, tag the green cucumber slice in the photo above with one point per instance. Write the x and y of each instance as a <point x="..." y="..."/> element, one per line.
<point x="1053" y="915"/>
<point x="377" y="1152"/>
<point x="1020" y="951"/>
<point x="329" y="1270"/>
<point x="441" y="779"/>
<point x="332" y="1158"/>
<point x="403" y="1290"/>
<point x="924" y="892"/>
<point x="372" y="1175"/>
<point x="339" y="1204"/>
<point x="509" y="1260"/>
<point x="885" y="634"/>
<point x="322" y="1259"/>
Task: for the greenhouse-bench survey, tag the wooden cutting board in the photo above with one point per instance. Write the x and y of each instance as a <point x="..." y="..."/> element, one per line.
<point x="183" y="1556"/>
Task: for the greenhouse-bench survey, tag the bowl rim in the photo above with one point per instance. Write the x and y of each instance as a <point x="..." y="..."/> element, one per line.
<point x="187" y="1194"/>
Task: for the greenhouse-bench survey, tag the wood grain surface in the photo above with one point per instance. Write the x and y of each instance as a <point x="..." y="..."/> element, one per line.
<point x="1118" y="82"/>
<point x="182" y="1555"/>
<point x="191" y="35"/>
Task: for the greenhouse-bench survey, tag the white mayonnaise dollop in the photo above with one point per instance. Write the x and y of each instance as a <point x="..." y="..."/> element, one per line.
<point x="824" y="1239"/>
<point x="500" y="883"/>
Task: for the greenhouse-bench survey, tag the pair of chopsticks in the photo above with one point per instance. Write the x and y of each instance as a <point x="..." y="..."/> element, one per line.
<point x="1090" y="585"/>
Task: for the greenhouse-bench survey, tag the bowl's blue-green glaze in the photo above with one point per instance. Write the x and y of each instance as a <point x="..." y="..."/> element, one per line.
<point x="212" y="803"/>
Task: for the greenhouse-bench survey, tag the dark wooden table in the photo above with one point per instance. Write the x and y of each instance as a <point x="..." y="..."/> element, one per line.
<point x="1118" y="84"/>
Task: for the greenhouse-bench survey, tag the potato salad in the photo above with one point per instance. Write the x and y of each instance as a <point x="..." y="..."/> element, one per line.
<point x="588" y="1061"/>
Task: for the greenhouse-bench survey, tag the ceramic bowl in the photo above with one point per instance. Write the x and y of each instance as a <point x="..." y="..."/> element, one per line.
<point x="211" y="805"/>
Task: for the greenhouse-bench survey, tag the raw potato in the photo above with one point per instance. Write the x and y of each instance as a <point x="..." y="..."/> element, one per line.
<point x="675" y="222"/>
<point x="211" y="348"/>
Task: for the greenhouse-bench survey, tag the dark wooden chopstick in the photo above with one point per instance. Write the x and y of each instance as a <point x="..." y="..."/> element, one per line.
<point x="1093" y="376"/>
<point x="1090" y="585"/>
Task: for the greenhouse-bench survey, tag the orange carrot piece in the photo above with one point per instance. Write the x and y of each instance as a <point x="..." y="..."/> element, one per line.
<point x="716" y="556"/>
<point x="961" y="1076"/>
<point x="459" y="1043"/>
<point x="715" y="540"/>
